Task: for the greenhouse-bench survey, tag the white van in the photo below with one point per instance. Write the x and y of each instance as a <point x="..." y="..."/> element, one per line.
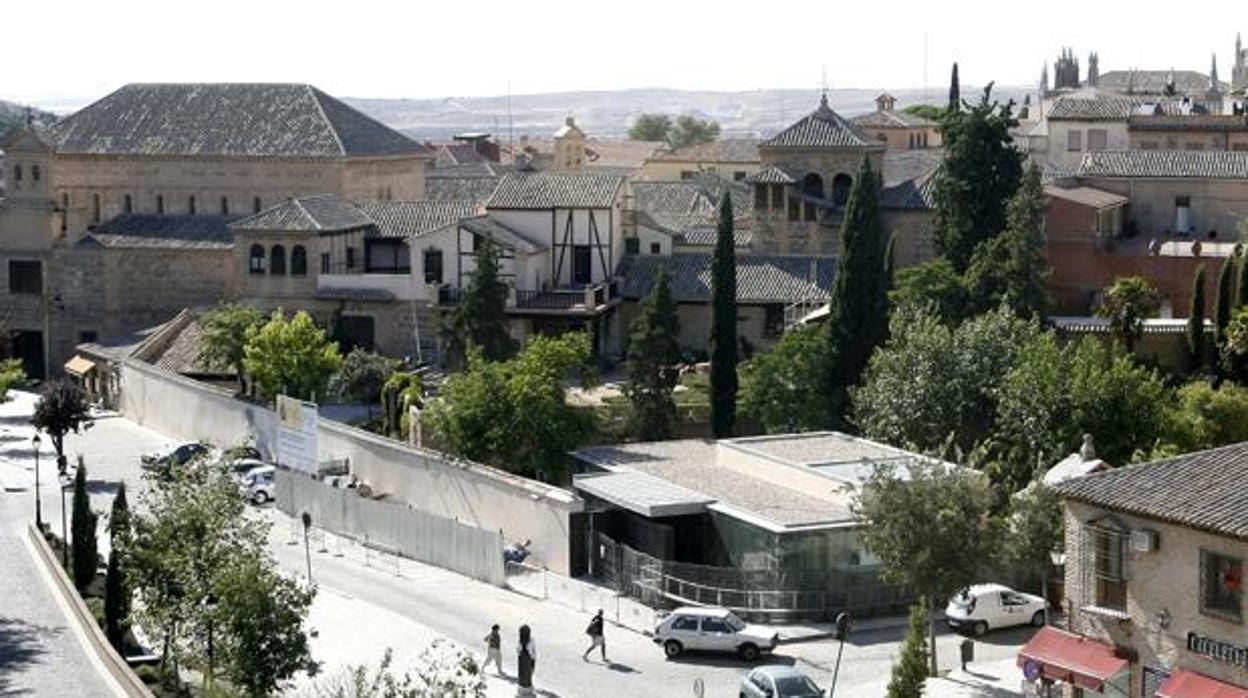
<point x="986" y="606"/>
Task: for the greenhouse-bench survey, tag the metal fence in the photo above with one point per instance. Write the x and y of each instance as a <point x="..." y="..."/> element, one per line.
<point x="393" y="527"/>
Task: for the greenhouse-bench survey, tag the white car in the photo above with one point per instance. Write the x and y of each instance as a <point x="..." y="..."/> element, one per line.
<point x="712" y="630"/>
<point x="257" y="484"/>
<point x="985" y="606"/>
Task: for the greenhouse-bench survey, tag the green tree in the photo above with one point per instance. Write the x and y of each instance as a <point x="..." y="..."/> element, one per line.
<point x="723" y="347"/>
<point x="514" y="414"/>
<point x="910" y="671"/>
<point x="116" y="586"/>
<point x="934" y="286"/>
<point x="1196" y="321"/>
<point x="650" y="127"/>
<point x="12" y="375"/>
<point x="1011" y="268"/>
<point x="290" y="357"/>
<point x="1235" y="347"/>
<point x="1242" y="290"/>
<point x="1036" y="529"/>
<point x="653" y="364"/>
<point x="442" y="671"/>
<point x="362" y="376"/>
<point x="84" y="552"/>
<point x="62" y="408"/>
<point x="480" y="318"/>
<point x="981" y="170"/>
<point x="931" y="527"/>
<point x="1224" y="303"/>
<point x="931" y="112"/>
<point x="955" y="91"/>
<point x="400" y="392"/>
<point x="1202" y="416"/>
<point x="782" y="388"/>
<point x="223" y="336"/>
<point x="689" y="130"/>
<point x="120" y="530"/>
<point x="858" y="313"/>
<point x="1127" y="302"/>
<point x="260" y="616"/>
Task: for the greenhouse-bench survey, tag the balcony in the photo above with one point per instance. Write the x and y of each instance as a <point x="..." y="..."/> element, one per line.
<point x="576" y="301"/>
<point x="401" y="287"/>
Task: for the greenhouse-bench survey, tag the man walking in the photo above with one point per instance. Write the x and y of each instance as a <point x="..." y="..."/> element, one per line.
<point x="596" y="639"/>
<point x="494" y="650"/>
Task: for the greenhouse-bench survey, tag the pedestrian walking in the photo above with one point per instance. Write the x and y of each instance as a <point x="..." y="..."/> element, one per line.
<point x="526" y="662"/>
<point x="494" y="650"/>
<point x="596" y="638"/>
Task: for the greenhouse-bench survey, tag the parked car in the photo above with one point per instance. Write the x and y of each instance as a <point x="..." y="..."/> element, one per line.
<point x="712" y="630"/>
<point x="778" y="682"/>
<point x="983" y="607"/>
<point x="178" y="454"/>
<point x="257" y="484"/>
<point x="239" y="468"/>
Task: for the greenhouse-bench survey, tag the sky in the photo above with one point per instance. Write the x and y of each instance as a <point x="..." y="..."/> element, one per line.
<point x="75" y="51"/>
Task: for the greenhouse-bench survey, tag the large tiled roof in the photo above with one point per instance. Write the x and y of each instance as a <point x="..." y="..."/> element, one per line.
<point x="1188" y="122"/>
<point x="1153" y="81"/>
<point x="1165" y="164"/>
<point x="822" y="128"/>
<point x="900" y="165"/>
<point x="740" y="150"/>
<point x="916" y="194"/>
<point x="1087" y="196"/>
<point x="771" y="175"/>
<point x="760" y="278"/>
<point x="891" y="119"/>
<point x="1203" y="490"/>
<point x="477" y="189"/>
<point x="228" y="120"/>
<point x="489" y="227"/>
<point x="309" y="214"/>
<point x="182" y="354"/>
<point x="403" y="219"/>
<point x="136" y="230"/>
<point x="544" y="190"/>
<point x="1092" y="108"/>
<point x="684" y="196"/>
<point x="707" y="235"/>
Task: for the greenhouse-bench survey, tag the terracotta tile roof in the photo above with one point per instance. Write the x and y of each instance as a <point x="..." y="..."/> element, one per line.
<point x="739" y="150"/>
<point x="403" y="219"/>
<point x="1203" y="490"/>
<point x="135" y="230"/>
<point x="1087" y="196"/>
<point x="760" y="278"/>
<point x="1165" y="164"/>
<point x="321" y="213"/>
<point x="1093" y="108"/>
<point x="822" y="128"/>
<point x="226" y="120"/>
<point x="545" y="190"/>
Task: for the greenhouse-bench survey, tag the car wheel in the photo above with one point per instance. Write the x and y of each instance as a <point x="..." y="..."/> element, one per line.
<point x="260" y="498"/>
<point x="979" y="628"/>
<point x="1037" y="619"/>
<point x="748" y="651"/>
<point x="672" y="648"/>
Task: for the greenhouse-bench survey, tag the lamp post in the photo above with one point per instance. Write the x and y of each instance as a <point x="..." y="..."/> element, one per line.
<point x="65" y="481"/>
<point x="1058" y="558"/>
<point x="307" y="550"/>
<point x="36" y="442"/>
<point x="843" y="625"/>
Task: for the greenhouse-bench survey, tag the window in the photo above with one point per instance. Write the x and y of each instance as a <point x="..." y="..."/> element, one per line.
<point x="190" y="205"/>
<point x="255" y="205"/>
<point x="225" y="206"/>
<point x="95" y="208"/>
<point x="127" y="204"/>
<point x="912" y="141"/>
<point x="1108" y="566"/>
<point x="256" y="264"/>
<point x="773" y="320"/>
<point x="350" y="257"/>
<point x="87" y="336"/>
<point x="841" y="185"/>
<point x="64" y="212"/>
<point x="277" y="260"/>
<point x="389" y="256"/>
<point x="1098" y="139"/>
<point x="632" y="246"/>
<point x="25" y="276"/>
<point x="777" y="196"/>
<point x="17" y="172"/>
<point x="160" y="204"/>
<point x="582" y="264"/>
<point x="1221" y="586"/>
<point x="687" y="623"/>
<point x="433" y="266"/>
<point x="1074" y="141"/>
<point x="324" y="262"/>
<point x="760" y="196"/>
<point x="715" y="625"/>
<point x="687" y="174"/>
<point x="656" y="248"/>
<point x="34" y="173"/>
<point x="739" y="176"/>
<point x="298" y="261"/>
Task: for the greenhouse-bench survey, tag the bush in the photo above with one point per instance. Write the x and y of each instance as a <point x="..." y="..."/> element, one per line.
<point x="12" y="376"/>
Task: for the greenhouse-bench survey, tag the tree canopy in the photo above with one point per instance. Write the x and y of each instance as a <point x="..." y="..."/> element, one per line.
<point x="934" y="286"/>
<point x="782" y="388"/>
<point x="653" y="364"/>
<point x="1128" y="301"/>
<point x="62" y="408"/>
<point x="223" y="336"/>
<point x="480" y="317"/>
<point x="650" y="127"/>
<point x="361" y="377"/>
<point x="290" y="357"/>
<point x="723" y="343"/>
<point x="684" y="131"/>
<point x="1011" y="268"/>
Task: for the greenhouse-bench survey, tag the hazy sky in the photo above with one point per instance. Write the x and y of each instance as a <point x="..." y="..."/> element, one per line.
<point x="79" y="50"/>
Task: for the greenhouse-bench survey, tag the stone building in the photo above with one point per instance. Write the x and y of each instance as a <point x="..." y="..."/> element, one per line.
<point x="146" y="167"/>
<point x="1154" y="573"/>
<point x="898" y="130"/>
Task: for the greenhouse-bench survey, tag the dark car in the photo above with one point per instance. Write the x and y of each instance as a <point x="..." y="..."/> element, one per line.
<point x="174" y="456"/>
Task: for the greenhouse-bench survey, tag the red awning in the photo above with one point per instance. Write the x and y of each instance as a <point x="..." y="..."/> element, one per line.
<point x="1062" y="656"/>
<point x="1189" y="684"/>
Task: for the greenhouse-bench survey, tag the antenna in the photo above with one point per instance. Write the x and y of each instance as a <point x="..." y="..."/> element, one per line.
<point x="925" y="96"/>
<point x="511" y="135"/>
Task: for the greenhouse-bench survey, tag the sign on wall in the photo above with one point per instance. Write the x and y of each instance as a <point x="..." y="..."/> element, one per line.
<point x="296" y="434"/>
<point x="1219" y="650"/>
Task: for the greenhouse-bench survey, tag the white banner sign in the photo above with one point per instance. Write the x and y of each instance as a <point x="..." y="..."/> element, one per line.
<point x="296" y="434"/>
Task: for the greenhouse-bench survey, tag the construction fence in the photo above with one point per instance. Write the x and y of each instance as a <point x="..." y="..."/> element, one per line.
<point x="582" y="596"/>
<point x="393" y="527"/>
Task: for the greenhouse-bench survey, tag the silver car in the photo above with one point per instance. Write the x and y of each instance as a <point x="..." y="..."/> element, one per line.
<point x="778" y="682"/>
<point x="257" y="484"/>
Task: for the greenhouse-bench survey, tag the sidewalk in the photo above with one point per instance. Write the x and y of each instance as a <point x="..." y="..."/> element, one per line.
<point x="999" y="679"/>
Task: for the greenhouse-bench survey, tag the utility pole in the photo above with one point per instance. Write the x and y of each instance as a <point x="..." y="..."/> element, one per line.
<point x="843" y="625"/>
<point x="307" y="548"/>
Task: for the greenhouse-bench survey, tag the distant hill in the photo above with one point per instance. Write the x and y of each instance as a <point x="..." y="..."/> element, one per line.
<point x="609" y="113"/>
<point x="12" y="114"/>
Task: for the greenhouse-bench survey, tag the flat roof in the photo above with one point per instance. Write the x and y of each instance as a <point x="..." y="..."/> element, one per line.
<point x="642" y="494"/>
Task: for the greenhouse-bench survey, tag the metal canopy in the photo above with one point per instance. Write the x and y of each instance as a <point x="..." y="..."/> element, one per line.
<point x="642" y="494"/>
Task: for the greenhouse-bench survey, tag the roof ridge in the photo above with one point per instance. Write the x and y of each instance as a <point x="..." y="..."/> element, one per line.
<point x="315" y="94"/>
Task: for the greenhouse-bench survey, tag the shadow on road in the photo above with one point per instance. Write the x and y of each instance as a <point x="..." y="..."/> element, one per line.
<point x="101" y="487"/>
<point x="622" y="668"/>
<point x="20" y="647"/>
<point x="724" y="660"/>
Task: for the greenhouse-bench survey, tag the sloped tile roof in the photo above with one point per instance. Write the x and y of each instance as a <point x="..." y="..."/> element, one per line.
<point x="1192" y="122"/>
<point x="1087" y="196"/>
<point x="403" y="219"/>
<point x="1153" y="81"/>
<point x="705" y="236"/>
<point x="822" y="128"/>
<point x="228" y="120"/>
<point x="900" y="165"/>
<point x="671" y="197"/>
<point x="891" y="119"/>
<point x="489" y="227"/>
<point x="1203" y="490"/>
<point x="916" y="194"/>
<point x="477" y="189"/>
<point x="544" y="190"/>
<point x="1165" y="164"/>
<point x="141" y="230"/>
<point x="771" y="175"/>
<point x="182" y="354"/>
<point x="308" y="214"/>
<point x="739" y="150"/>
<point x="1092" y="108"/>
<point x="760" y="278"/>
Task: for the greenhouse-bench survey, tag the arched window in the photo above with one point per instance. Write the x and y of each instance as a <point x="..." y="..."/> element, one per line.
<point x="225" y="206"/>
<point x="255" y="205"/>
<point x="840" y="188"/>
<point x="34" y="172"/>
<point x="127" y="204"/>
<point x="812" y="188"/>
<point x="95" y="208"/>
<point x="160" y="204"/>
<point x="190" y="205"/>
<point x="298" y="261"/>
<point x="17" y="172"/>
<point x="277" y="260"/>
<point x="912" y="141"/>
<point x="256" y="263"/>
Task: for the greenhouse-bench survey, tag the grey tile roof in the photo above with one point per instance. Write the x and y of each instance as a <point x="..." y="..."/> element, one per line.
<point x="901" y="165"/>
<point x="1165" y="164"/>
<point x="771" y="175"/>
<point x="308" y="214"/>
<point x="501" y="233"/>
<point x="544" y="190"/>
<point x="182" y="354"/>
<point x="724" y="150"/>
<point x="760" y="278"/>
<point x="404" y="219"/>
<point x="163" y="231"/>
<point x="891" y="119"/>
<point x="705" y="236"/>
<point x="1091" y="108"/>
<point x="1087" y="196"/>
<point x="477" y="189"/>
<point x="911" y="195"/>
<point x="229" y="120"/>
<point x="459" y="154"/>
<point x="685" y="196"/>
<point x="1213" y="123"/>
<point x="822" y="128"/>
<point x="1203" y="490"/>
<point x="1153" y="81"/>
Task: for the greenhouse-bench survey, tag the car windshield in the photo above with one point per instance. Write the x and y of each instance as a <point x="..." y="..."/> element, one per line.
<point x="796" y="686"/>
<point x="735" y="623"/>
<point x="962" y="599"/>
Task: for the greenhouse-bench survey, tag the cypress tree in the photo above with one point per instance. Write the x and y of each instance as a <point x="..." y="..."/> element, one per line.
<point x="480" y="317"/>
<point x="1196" y="321"/>
<point x="1223" y="303"/>
<point x="723" y="347"/>
<point x="910" y="671"/>
<point x="116" y="601"/>
<point x="119" y="520"/>
<point x="1243" y="280"/>
<point x="1012" y="267"/>
<point x="85" y="556"/>
<point x="858" y="314"/>
<point x="653" y="355"/>
<point x="955" y="90"/>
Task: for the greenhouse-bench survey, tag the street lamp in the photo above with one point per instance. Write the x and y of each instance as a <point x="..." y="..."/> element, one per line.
<point x="1058" y="558"/>
<point x="210" y="607"/>
<point x="307" y="550"/>
<point x="36" y="442"/>
<point x="65" y="481"/>
<point x="844" y="623"/>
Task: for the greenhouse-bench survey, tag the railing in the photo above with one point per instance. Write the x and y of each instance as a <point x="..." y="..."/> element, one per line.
<point x="586" y="298"/>
<point x="550" y="300"/>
